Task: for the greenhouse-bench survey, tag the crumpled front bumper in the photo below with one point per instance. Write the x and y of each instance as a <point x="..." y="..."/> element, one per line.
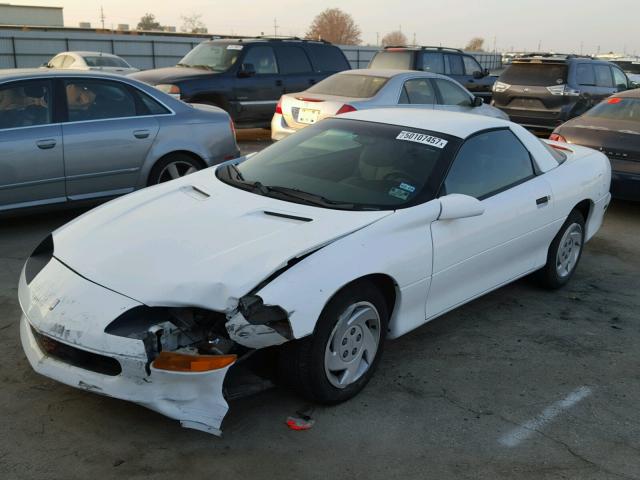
<point x="194" y="398"/>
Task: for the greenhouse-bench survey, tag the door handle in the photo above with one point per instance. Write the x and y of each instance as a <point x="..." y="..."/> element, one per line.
<point x="141" y="133"/>
<point x="46" y="144"/>
<point x="543" y="201"/>
<point x="278" y="83"/>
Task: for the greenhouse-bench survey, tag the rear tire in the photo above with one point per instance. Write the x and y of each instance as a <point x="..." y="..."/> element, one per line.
<point x="172" y="166"/>
<point x="564" y="253"/>
<point x="336" y="362"/>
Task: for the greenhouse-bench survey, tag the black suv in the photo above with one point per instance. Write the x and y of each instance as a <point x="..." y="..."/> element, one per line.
<point x="543" y="91"/>
<point x="452" y="62"/>
<point x="246" y="77"/>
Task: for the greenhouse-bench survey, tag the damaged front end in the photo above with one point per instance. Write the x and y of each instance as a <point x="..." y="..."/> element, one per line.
<point x="175" y="361"/>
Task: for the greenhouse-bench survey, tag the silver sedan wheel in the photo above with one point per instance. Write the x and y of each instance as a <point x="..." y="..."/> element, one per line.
<point x="569" y="250"/>
<point x="352" y="345"/>
<point x="175" y="170"/>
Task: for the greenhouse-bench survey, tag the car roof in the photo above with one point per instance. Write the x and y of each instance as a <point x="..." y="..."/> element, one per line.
<point x="633" y="93"/>
<point x="389" y="73"/>
<point x="24" y="73"/>
<point x="248" y="40"/>
<point x="460" y="125"/>
<point x="87" y="53"/>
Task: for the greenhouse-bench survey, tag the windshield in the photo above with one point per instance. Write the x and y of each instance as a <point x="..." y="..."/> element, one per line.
<point x="97" y="61"/>
<point x="397" y="60"/>
<point x="218" y="57"/>
<point x="348" y="164"/>
<point x="617" y="108"/>
<point x="349" y="85"/>
<point x="535" y="74"/>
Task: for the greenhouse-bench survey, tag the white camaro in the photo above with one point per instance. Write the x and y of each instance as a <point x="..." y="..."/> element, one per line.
<point x="358" y="228"/>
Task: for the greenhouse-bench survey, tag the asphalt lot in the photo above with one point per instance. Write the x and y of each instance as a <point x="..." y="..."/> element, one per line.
<point x="523" y="383"/>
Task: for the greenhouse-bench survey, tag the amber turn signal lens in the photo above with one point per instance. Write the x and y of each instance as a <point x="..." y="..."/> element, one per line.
<point x="180" y="362"/>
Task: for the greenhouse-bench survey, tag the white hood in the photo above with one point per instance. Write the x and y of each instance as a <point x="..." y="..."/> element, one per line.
<point x="170" y="245"/>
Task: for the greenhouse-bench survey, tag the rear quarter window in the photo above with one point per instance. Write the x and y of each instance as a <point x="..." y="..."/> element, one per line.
<point x="396" y="60"/>
<point x="327" y="58"/>
<point x="535" y="74"/>
<point x="348" y="85"/>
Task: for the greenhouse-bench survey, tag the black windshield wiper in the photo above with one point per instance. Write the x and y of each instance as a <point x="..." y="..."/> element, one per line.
<point x="308" y="197"/>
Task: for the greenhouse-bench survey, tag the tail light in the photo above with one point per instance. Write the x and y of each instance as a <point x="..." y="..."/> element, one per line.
<point x="500" y="87"/>
<point x="563" y="90"/>
<point x="614" y="100"/>
<point x="346" y="108"/>
<point x="557" y="138"/>
<point x="279" y="107"/>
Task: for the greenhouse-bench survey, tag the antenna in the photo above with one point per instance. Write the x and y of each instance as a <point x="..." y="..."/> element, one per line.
<point x="102" y="17"/>
<point x="275" y="27"/>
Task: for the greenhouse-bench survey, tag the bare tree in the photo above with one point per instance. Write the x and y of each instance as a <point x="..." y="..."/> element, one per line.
<point x="148" y="22"/>
<point x="335" y="26"/>
<point x="475" y="44"/>
<point x="394" y="38"/>
<point x="193" y="23"/>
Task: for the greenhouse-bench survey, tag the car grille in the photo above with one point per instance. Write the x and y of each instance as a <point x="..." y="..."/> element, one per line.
<point x="77" y="357"/>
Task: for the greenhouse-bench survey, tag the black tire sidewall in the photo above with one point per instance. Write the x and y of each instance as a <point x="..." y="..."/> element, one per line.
<point x="550" y="275"/>
<point x="322" y="389"/>
<point x="156" y="170"/>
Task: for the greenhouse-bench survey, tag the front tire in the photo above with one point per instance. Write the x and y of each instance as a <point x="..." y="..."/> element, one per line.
<point x="564" y="253"/>
<point x="337" y="361"/>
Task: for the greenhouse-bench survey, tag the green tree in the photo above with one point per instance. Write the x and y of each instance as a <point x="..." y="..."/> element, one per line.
<point x="148" y="22"/>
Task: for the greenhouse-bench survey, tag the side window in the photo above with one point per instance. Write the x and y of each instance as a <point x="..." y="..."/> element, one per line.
<point x="56" y="62"/>
<point x="419" y="91"/>
<point x="471" y="65"/>
<point x="453" y="65"/>
<point x="151" y="105"/>
<point x="327" y="58"/>
<point x="262" y="59"/>
<point x="25" y="104"/>
<point x="293" y="60"/>
<point x="404" y="98"/>
<point x="432" y="62"/>
<point x="603" y="76"/>
<point x="98" y="100"/>
<point x="585" y="75"/>
<point x="68" y="61"/>
<point x="452" y="94"/>
<point x="489" y="163"/>
<point x="619" y="79"/>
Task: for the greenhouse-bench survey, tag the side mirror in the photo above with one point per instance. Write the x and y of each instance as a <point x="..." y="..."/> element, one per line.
<point x="456" y="205"/>
<point x="478" y="74"/>
<point x="46" y="65"/>
<point x="486" y="72"/>
<point x="478" y="101"/>
<point x="246" y="70"/>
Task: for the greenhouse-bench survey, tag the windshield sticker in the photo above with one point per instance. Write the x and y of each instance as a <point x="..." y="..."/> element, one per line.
<point x="422" y="138"/>
<point x="407" y="187"/>
<point x="401" y="194"/>
<point x="234" y="47"/>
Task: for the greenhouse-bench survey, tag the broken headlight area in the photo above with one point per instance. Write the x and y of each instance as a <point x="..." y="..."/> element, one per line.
<point x="39" y="259"/>
<point x="191" y="332"/>
<point x="256" y="325"/>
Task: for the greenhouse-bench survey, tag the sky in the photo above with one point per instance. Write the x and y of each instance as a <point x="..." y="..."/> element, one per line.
<point x="569" y="26"/>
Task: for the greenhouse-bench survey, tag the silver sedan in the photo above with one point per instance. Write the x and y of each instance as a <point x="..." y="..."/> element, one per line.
<point x="360" y="89"/>
<point x="77" y="136"/>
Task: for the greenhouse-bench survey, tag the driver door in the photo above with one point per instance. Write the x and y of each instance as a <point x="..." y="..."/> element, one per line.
<point x="475" y="255"/>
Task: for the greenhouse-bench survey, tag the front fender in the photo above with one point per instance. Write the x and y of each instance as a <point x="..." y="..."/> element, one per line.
<point x="398" y="246"/>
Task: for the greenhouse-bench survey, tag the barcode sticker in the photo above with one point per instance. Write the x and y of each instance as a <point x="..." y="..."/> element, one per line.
<point x="422" y="138"/>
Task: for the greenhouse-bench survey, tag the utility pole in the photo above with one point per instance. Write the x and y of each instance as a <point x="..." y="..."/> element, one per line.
<point x="414" y="39"/>
<point x="539" y="45"/>
<point x="377" y="39"/>
<point x="275" y="27"/>
<point x="494" y="44"/>
<point x="102" y="16"/>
